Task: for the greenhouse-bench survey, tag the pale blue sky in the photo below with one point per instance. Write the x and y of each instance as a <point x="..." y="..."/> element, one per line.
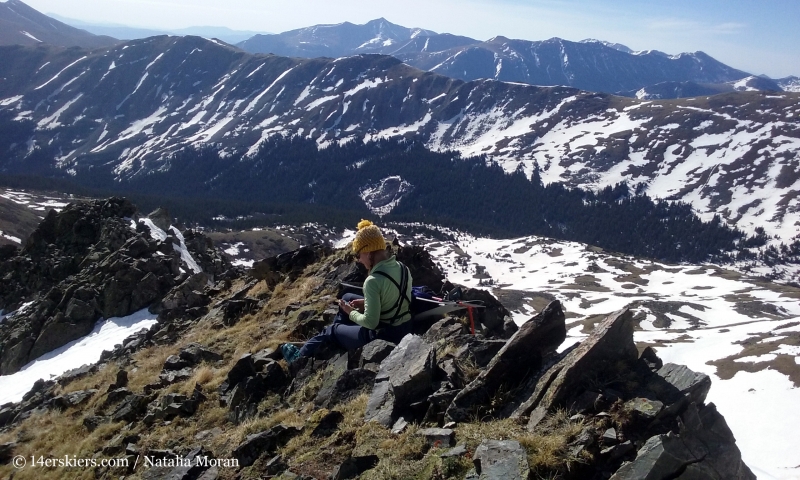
<point x="758" y="36"/>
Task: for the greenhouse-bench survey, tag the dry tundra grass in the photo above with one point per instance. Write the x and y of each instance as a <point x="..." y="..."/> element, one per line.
<point x="402" y="456"/>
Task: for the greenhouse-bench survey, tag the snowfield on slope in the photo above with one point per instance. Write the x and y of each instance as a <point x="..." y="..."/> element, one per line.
<point x="84" y="351"/>
<point x="742" y="332"/>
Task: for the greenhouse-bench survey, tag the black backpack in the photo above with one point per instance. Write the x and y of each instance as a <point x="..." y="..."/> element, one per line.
<point x="402" y="298"/>
<point x="415" y="305"/>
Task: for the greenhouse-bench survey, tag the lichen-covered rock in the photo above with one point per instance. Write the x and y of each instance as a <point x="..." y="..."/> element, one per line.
<point x="438" y="437"/>
<point x="501" y="460"/>
<point x="704" y="448"/>
<point x="523" y="353"/>
<point x="610" y="342"/>
<point x="257" y="444"/>
<point x="405" y="377"/>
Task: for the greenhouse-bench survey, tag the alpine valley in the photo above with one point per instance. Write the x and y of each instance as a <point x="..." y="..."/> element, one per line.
<point x="114" y="117"/>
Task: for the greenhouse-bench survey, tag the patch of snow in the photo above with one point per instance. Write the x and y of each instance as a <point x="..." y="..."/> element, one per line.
<point x="86" y="350"/>
<point x="741" y="85"/>
<point x="367" y="84"/>
<point x="11" y="237"/>
<point x="155" y="232"/>
<point x="59" y="73"/>
<point x="303" y="95"/>
<point x="185" y="255"/>
<point x="30" y="36"/>
<point x="382" y="197"/>
<point x="51" y="122"/>
<point x="21" y="309"/>
<point x="255" y="101"/>
<point x="214" y="40"/>
<point x="316" y="103"/>
<point x="8" y="101"/>
<point x="233" y="249"/>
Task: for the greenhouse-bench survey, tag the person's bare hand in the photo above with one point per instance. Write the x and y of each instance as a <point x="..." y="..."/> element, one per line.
<point x="346" y="307"/>
<point x="358" y="304"/>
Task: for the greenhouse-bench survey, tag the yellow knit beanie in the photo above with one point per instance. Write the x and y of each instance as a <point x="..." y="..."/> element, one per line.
<point x="368" y="238"/>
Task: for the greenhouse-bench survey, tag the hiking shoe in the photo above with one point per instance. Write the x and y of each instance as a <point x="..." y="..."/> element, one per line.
<point x="290" y="352"/>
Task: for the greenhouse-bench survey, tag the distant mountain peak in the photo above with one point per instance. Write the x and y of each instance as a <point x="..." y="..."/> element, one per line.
<point x="379" y="21"/>
<point x="615" y="46"/>
<point x="498" y="39"/>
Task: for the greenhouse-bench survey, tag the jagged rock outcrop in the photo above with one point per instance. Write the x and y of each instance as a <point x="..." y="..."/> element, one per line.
<point x="90" y="261"/>
<point x="704" y="448"/>
<point x="611" y="341"/>
<point x="422" y="267"/>
<point x="59" y="245"/>
<point x="405" y="377"/>
<point x="522" y="354"/>
<point x="494" y="319"/>
<point x="288" y="265"/>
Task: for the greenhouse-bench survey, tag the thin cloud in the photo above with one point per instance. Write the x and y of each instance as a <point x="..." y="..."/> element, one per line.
<point x="694" y="27"/>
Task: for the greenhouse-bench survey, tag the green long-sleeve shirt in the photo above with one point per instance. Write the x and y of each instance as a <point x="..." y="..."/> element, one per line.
<point x="380" y="294"/>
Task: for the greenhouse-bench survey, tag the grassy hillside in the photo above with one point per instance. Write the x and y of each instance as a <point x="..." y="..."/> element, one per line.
<point x="402" y="456"/>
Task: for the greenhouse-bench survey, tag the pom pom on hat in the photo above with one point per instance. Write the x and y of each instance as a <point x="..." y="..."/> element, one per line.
<point x="368" y="238"/>
<point x="364" y="224"/>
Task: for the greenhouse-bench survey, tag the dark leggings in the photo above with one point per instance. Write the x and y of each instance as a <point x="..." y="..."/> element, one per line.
<point x="350" y="335"/>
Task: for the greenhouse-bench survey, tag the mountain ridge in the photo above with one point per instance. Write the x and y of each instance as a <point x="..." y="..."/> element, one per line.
<point x="595" y="65"/>
<point x="129" y="107"/>
<point x="23" y="25"/>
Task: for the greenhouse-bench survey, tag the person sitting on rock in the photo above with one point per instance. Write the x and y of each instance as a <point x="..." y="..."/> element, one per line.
<point x="382" y="313"/>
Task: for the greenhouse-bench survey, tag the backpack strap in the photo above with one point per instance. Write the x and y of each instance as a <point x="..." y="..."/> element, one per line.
<point x="401" y="287"/>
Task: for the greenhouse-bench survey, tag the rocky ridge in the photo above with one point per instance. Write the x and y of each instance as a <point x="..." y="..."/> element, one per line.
<point x="95" y="260"/>
<point x="208" y="381"/>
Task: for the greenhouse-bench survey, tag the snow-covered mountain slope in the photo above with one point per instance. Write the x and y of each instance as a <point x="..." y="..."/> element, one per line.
<point x="593" y="66"/>
<point x="789" y="84"/>
<point x="126" y="109"/>
<point x="615" y="46"/>
<point x="743" y="332"/>
<point x="755" y="84"/>
<point x="23" y="25"/>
